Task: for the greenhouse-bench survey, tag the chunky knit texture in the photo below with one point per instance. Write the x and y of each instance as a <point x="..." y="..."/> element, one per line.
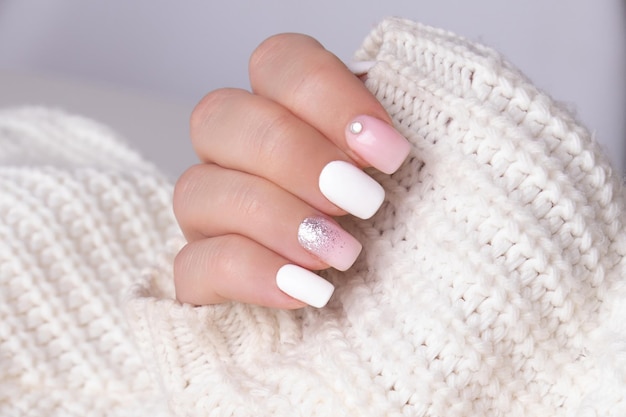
<point x="80" y="213"/>
<point x="491" y="282"/>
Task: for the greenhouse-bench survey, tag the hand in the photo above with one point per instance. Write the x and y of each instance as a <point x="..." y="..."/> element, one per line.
<point x="277" y="165"/>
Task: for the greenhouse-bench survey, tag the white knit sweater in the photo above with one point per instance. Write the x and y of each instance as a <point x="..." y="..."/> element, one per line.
<point x="491" y="281"/>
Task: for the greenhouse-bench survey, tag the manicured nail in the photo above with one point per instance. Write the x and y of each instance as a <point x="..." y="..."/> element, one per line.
<point x="325" y="239"/>
<point x="351" y="189"/>
<point x="378" y="143"/>
<point x="360" y="67"/>
<point x="304" y="285"/>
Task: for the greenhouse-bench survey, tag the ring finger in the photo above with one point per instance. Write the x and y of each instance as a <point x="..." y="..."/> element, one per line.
<point x="211" y="201"/>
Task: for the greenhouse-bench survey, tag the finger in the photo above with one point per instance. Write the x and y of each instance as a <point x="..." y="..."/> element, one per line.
<point x="213" y="201"/>
<point x="270" y="142"/>
<point x="297" y="72"/>
<point x="232" y="267"/>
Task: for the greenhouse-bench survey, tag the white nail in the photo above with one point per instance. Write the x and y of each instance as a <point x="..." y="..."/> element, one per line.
<point x="353" y="190"/>
<point x="360" y="67"/>
<point x="304" y="285"/>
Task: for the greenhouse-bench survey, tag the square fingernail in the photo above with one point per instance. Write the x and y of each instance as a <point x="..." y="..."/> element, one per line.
<point x="329" y="242"/>
<point x="351" y="189"/>
<point x="378" y="143"/>
<point x="304" y="285"/>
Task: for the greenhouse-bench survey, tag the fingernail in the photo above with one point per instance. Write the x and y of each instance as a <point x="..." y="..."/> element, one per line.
<point x="360" y="67"/>
<point x="304" y="285"/>
<point x="325" y="239"/>
<point x="351" y="189"/>
<point x="378" y="143"/>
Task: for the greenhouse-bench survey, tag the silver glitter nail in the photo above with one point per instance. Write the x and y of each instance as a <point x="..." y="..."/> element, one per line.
<point x="317" y="235"/>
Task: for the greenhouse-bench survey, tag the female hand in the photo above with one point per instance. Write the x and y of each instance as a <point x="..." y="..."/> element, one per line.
<point x="277" y="164"/>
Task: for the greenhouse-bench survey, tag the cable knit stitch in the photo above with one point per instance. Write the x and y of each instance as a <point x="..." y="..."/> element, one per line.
<point x="491" y="281"/>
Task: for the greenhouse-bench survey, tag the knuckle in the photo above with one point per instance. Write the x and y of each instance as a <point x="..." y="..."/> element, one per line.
<point x="202" y="269"/>
<point x="184" y="189"/>
<point x="207" y="109"/>
<point x="185" y="268"/>
<point x="275" y="47"/>
<point x="224" y="259"/>
<point x="267" y="50"/>
<point x="312" y="80"/>
<point x="272" y="134"/>
<point x="194" y="273"/>
<point x="181" y="270"/>
<point x="204" y="193"/>
<point x="246" y="199"/>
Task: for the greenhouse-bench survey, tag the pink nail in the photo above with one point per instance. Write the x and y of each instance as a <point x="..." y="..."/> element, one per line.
<point x="325" y="239"/>
<point x="378" y="143"/>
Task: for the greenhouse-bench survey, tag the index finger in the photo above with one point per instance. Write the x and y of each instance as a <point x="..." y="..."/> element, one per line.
<point x="297" y="72"/>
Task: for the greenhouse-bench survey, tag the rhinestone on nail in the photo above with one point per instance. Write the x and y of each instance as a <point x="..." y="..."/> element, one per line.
<point x="356" y="127"/>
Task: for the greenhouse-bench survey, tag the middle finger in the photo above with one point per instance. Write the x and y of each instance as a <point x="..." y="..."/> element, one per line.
<point x="272" y="143"/>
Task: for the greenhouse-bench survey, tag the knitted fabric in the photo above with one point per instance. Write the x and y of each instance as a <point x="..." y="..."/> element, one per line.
<point x="79" y="214"/>
<point x="490" y="284"/>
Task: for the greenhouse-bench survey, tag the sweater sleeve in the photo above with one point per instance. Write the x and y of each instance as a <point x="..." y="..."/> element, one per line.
<point x="490" y="282"/>
<point x="80" y="215"/>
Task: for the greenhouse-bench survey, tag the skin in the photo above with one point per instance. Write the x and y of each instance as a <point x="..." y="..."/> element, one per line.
<point x="262" y="153"/>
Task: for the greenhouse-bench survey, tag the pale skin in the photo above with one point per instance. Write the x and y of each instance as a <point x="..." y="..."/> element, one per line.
<point x="261" y="155"/>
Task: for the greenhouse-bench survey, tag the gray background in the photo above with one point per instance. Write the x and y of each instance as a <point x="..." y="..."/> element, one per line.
<point x="141" y="65"/>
